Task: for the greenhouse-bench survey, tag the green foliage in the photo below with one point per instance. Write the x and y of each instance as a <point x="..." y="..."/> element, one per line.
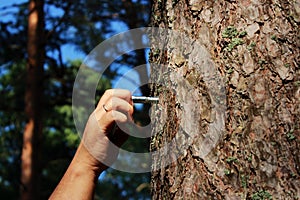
<point x="118" y="185"/>
<point x="234" y="43"/>
<point x="230" y="70"/>
<point x="274" y="37"/>
<point x="230" y="32"/>
<point x="242" y="34"/>
<point x="244" y="181"/>
<point x="234" y="36"/>
<point x="251" y="46"/>
<point x="297" y="83"/>
<point x="227" y="172"/>
<point x="291" y="136"/>
<point x="231" y="159"/>
<point x="261" y="195"/>
<point x="84" y="24"/>
<point x="12" y="121"/>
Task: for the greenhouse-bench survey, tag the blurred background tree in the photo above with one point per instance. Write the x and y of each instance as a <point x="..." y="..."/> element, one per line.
<point x="81" y="25"/>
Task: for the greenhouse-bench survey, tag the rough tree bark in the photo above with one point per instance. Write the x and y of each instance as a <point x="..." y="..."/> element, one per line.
<point x="33" y="103"/>
<point x="255" y="46"/>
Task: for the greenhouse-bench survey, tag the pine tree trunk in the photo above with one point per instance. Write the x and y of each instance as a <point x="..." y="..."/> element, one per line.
<point x="31" y="157"/>
<point x="255" y="48"/>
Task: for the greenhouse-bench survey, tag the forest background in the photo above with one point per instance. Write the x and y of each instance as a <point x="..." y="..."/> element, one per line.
<point x="71" y="29"/>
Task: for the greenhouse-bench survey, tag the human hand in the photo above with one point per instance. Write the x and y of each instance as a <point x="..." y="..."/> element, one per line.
<point x="114" y="109"/>
<point x="96" y="152"/>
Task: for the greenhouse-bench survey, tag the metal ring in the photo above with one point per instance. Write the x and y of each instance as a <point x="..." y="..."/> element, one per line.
<point x="104" y="108"/>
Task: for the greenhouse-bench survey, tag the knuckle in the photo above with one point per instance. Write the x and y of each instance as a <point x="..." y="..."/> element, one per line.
<point x="113" y="115"/>
<point x="128" y="93"/>
<point x="114" y="103"/>
<point x="108" y="92"/>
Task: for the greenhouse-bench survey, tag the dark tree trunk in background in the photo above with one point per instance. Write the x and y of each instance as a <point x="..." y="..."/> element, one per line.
<point x="33" y="103"/>
<point x="136" y="21"/>
<point x="255" y="47"/>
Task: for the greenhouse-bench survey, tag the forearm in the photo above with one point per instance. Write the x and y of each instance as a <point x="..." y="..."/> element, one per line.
<point x="95" y="152"/>
<point x="80" y="179"/>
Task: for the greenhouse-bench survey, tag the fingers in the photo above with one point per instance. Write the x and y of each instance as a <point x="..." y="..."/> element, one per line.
<point x="115" y="116"/>
<point x="107" y="125"/>
<point x="114" y="106"/>
<point x="115" y="99"/>
<point x="110" y="118"/>
<point x="119" y="93"/>
<point x="118" y="104"/>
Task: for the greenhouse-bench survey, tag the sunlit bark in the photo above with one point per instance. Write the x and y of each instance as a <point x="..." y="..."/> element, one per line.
<point x="255" y="48"/>
<point x="30" y="179"/>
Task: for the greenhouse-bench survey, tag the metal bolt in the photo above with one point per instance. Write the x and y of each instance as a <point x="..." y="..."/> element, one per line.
<point x="143" y="99"/>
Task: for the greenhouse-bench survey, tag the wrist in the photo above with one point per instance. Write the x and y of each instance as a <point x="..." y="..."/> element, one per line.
<point x="78" y="182"/>
<point x="84" y="162"/>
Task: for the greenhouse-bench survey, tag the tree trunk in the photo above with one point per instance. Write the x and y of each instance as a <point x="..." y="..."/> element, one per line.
<point x="252" y="48"/>
<point x="135" y="21"/>
<point x="33" y="103"/>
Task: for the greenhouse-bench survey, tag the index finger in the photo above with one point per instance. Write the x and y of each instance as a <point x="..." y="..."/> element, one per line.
<point x="120" y="93"/>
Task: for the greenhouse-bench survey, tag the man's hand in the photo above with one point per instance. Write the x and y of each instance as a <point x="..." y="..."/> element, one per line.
<point x="96" y="151"/>
<point x="106" y="129"/>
